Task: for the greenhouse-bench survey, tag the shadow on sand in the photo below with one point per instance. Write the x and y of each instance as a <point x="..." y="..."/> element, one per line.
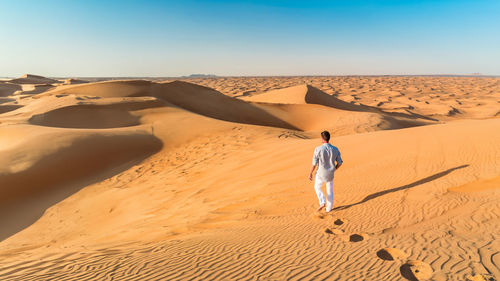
<point x="31" y="196"/>
<point x="413" y="184"/>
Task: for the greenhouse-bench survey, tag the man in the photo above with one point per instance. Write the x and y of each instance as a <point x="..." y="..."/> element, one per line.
<point x="325" y="157"/>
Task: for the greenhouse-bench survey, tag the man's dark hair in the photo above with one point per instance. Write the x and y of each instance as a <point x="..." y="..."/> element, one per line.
<point x="325" y="135"/>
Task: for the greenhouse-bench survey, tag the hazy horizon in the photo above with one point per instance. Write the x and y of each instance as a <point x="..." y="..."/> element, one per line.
<point x="249" y="38"/>
<point x="257" y="76"/>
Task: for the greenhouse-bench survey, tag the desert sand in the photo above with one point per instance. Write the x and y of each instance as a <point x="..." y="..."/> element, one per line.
<point x="206" y="179"/>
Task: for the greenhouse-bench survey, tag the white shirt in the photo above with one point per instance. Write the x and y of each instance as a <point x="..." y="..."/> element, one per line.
<point x="325" y="156"/>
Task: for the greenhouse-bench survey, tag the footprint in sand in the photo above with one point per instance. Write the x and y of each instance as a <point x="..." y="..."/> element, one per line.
<point x="334" y="231"/>
<point x="358" y="237"/>
<point x="416" y="270"/>
<point x="340" y="221"/>
<point x="318" y="215"/>
<point x="390" y="254"/>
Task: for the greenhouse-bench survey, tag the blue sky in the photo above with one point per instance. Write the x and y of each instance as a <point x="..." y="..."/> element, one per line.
<point x="173" y="38"/>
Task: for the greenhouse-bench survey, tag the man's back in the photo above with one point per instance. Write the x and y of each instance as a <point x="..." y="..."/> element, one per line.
<point x="325" y="156"/>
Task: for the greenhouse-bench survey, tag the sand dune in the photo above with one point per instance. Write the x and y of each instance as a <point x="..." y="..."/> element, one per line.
<point x="473" y="97"/>
<point x="27" y="84"/>
<point x="194" y="98"/>
<point x="7" y="89"/>
<point x="303" y="94"/>
<point x="137" y="180"/>
<point x="313" y="118"/>
<point x="95" y="115"/>
<point x="7" y="108"/>
<point x="106" y="89"/>
<point x="211" y="103"/>
<point x="297" y="105"/>
<point x="310" y="109"/>
<point x="36" y="169"/>
<point x="33" y="79"/>
<point x="71" y="81"/>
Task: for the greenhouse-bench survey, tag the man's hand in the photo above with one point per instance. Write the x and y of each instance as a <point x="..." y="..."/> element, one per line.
<point x="311" y="172"/>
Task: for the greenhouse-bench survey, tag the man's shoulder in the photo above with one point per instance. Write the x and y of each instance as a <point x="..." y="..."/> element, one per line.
<point x="319" y="147"/>
<point x="325" y="147"/>
<point x="333" y="147"/>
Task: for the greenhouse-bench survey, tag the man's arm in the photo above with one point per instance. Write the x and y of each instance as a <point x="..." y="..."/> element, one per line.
<point x="339" y="161"/>
<point x="314" y="163"/>
<point x="311" y="172"/>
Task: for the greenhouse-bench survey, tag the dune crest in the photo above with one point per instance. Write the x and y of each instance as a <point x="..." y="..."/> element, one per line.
<point x="302" y="94"/>
<point x="33" y="79"/>
<point x="72" y="81"/>
<point x="311" y="110"/>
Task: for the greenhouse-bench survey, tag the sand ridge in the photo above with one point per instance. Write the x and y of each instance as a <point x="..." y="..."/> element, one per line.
<point x="33" y="79"/>
<point x="140" y="180"/>
<point x="432" y="96"/>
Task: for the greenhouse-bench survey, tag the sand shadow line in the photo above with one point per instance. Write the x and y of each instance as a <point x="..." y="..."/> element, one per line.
<point x="413" y="184"/>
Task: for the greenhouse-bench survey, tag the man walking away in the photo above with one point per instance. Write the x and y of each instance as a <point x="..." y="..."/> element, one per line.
<point x="325" y="157"/>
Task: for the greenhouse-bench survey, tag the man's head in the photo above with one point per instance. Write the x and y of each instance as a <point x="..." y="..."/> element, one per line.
<point x="325" y="135"/>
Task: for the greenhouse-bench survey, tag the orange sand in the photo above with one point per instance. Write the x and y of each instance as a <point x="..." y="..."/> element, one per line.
<point x="206" y="179"/>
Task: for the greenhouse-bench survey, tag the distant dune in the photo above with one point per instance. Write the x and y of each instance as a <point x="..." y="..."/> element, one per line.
<point x="27" y="84"/>
<point x="437" y="97"/>
<point x="33" y="79"/>
<point x="71" y="81"/>
<point x="206" y="179"/>
<point x="302" y="94"/>
<point x="7" y="89"/>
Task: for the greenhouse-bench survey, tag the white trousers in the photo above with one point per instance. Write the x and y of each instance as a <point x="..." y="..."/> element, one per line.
<point x="329" y="193"/>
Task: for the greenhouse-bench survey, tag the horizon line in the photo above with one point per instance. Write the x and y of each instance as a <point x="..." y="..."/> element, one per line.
<point x="212" y="76"/>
